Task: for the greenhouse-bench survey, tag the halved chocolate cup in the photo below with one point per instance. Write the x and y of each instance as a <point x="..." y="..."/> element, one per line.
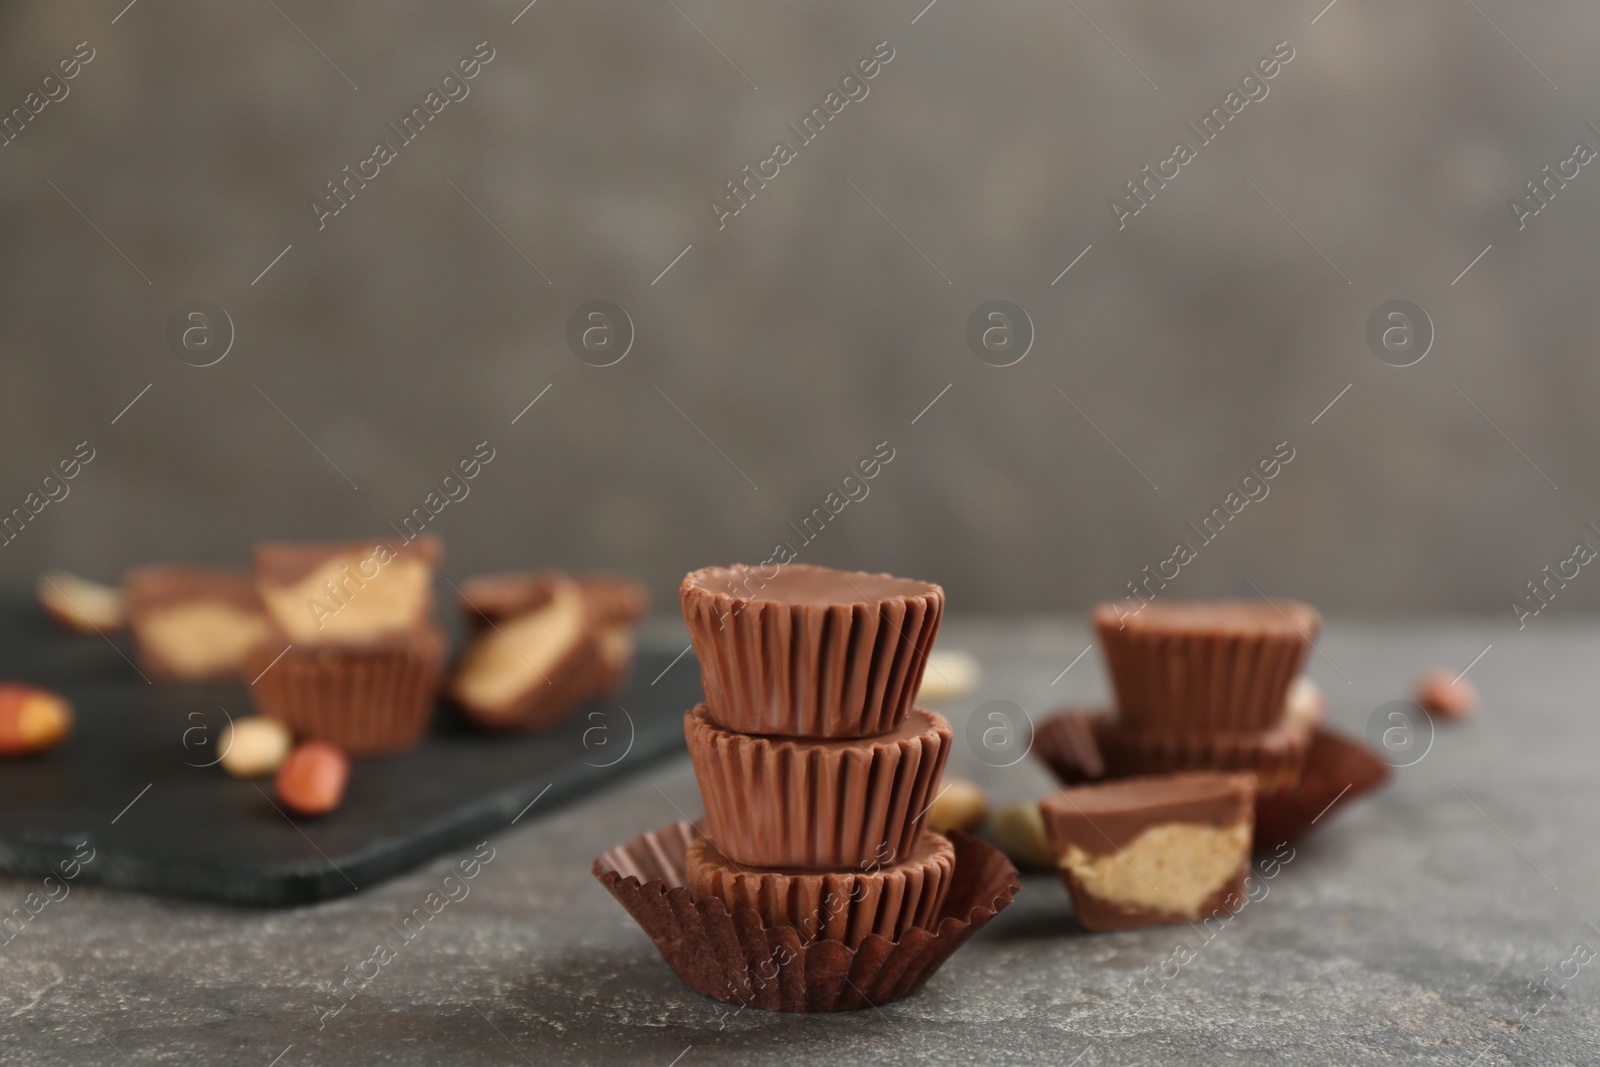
<point x="736" y="958"/>
<point x="818" y="803"/>
<point x="192" y="624"/>
<point x="809" y="651"/>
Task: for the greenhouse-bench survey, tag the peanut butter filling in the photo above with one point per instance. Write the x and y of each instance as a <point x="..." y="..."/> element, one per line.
<point x="201" y="638"/>
<point x="352" y="596"/>
<point x="510" y="658"/>
<point x="1172" y="867"/>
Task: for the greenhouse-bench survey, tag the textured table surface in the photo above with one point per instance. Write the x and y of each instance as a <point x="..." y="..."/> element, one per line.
<point x="1409" y="929"/>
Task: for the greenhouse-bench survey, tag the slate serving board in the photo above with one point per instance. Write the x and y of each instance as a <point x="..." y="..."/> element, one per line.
<point x="138" y="780"/>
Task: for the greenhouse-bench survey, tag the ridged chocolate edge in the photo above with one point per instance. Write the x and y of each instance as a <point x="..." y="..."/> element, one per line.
<point x="843" y="906"/>
<point x="1276" y="757"/>
<point x="734" y="958"/>
<point x="799" y="670"/>
<point x="365" y="699"/>
<point x="1182" y="682"/>
<point x="790" y="802"/>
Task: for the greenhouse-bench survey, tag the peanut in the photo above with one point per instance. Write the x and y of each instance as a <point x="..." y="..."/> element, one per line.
<point x="255" y="746"/>
<point x="79" y="604"/>
<point x="1306" y="704"/>
<point x="1019" y="831"/>
<point x="31" y="719"/>
<point x="312" y="780"/>
<point x="960" y="805"/>
<point x="1444" y="697"/>
<point x="949" y="674"/>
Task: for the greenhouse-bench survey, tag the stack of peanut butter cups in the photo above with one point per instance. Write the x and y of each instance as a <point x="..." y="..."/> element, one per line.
<point x="814" y="883"/>
<point x="1203" y="686"/>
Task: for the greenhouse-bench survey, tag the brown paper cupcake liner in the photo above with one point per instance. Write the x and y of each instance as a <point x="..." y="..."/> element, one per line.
<point x="844" y="906"/>
<point x="736" y="958"/>
<point x="367" y="698"/>
<point x="1337" y="770"/>
<point x="1065" y="743"/>
<point x="1181" y="677"/>
<point x="837" y="804"/>
<point x="1275" y="756"/>
<point x="810" y="670"/>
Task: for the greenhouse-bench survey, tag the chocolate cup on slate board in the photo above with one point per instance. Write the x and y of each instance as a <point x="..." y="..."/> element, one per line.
<point x="1276" y="756"/>
<point x="809" y="651"/>
<point x="368" y="697"/>
<point x="736" y="958"/>
<point x="843" y="906"/>
<point x="1189" y="667"/>
<point x="192" y="624"/>
<point x="825" y="803"/>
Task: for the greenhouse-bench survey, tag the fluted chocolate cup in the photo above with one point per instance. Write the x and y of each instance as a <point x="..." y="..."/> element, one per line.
<point x="1276" y="756"/>
<point x="824" y="803"/>
<point x="1191" y="667"/>
<point x="846" y="906"/>
<point x="736" y="957"/>
<point x="808" y="651"/>
<point x="368" y="697"/>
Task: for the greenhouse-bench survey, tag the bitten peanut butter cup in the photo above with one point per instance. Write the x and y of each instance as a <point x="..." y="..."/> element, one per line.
<point x="346" y="591"/>
<point x="367" y="697"/>
<point x="1276" y="756"/>
<point x="1147" y="851"/>
<point x="845" y="906"/>
<point x="533" y="660"/>
<point x="1221" y="666"/>
<point x="834" y="803"/>
<point x="616" y="605"/>
<point x="192" y="624"/>
<point x="735" y="957"/>
<point x="808" y="651"/>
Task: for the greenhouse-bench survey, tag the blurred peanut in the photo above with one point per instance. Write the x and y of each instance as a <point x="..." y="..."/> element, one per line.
<point x="1306" y="705"/>
<point x="949" y="674"/>
<point x="1444" y="697"/>
<point x="960" y="805"/>
<point x="31" y="719"/>
<point x="255" y="746"/>
<point x="79" y="604"/>
<point x="1019" y="831"/>
<point x="312" y="780"/>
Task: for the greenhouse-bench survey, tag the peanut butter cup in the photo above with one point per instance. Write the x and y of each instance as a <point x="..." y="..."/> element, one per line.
<point x="368" y="697"/>
<point x="347" y="590"/>
<point x="1221" y="666"/>
<point x="1274" y="756"/>
<point x="1146" y="851"/>
<point x="192" y="624"/>
<point x="845" y="906"/>
<point x="808" y="651"/>
<point x="824" y="802"/>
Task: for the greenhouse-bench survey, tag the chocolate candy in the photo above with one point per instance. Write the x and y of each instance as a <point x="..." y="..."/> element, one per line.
<point x="813" y="803"/>
<point x="808" y="651"/>
<point x="1219" y="666"/>
<point x="192" y="623"/>
<point x="1146" y="851"/>
<point x="845" y="906"/>
<point x="1274" y="756"/>
<point x="533" y="659"/>
<point x="347" y="591"/>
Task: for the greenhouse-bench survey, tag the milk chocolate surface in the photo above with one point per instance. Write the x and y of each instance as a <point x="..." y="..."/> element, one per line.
<point x="162" y="584"/>
<point x="1109" y="815"/>
<point x="799" y="583"/>
<point x="1210" y="617"/>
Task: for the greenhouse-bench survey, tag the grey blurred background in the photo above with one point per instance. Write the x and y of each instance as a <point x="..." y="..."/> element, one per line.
<point x="772" y="355"/>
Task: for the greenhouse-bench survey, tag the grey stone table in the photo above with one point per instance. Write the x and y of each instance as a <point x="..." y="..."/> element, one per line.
<point x="1412" y="928"/>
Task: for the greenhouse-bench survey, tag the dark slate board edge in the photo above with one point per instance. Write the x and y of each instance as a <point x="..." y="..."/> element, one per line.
<point x="288" y="885"/>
